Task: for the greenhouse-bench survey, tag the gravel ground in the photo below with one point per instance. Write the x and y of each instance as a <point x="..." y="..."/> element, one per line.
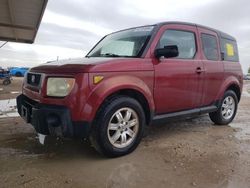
<point x="187" y="153"/>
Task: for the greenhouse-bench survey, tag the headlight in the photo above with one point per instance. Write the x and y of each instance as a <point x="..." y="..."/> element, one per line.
<point x="59" y="87"/>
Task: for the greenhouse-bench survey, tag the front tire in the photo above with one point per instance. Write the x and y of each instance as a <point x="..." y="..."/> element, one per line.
<point x="118" y="126"/>
<point x="6" y="82"/>
<point x="227" y="109"/>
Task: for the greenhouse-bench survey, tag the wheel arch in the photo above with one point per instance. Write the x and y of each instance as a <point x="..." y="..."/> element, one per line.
<point x="137" y="90"/>
<point x="231" y="83"/>
<point x="18" y="73"/>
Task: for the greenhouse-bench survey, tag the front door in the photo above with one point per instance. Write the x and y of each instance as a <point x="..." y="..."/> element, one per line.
<point x="178" y="81"/>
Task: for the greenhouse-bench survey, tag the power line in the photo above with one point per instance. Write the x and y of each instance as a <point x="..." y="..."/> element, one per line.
<point x="3" y="44"/>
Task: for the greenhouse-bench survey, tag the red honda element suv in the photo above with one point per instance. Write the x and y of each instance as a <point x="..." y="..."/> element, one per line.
<point x="132" y="78"/>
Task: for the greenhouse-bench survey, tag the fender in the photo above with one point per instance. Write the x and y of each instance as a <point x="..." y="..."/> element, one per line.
<point x="231" y="80"/>
<point x="112" y="85"/>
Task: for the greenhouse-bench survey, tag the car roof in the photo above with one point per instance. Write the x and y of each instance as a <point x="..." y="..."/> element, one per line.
<point x="220" y="33"/>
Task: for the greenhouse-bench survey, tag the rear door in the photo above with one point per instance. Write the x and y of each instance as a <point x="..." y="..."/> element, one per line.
<point x="177" y="80"/>
<point x="213" y="66"/>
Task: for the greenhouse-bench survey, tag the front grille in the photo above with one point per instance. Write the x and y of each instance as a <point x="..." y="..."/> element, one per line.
<point x="34" y="79"/>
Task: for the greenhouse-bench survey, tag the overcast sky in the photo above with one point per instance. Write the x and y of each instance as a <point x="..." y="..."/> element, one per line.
<point x="71" y="27"/>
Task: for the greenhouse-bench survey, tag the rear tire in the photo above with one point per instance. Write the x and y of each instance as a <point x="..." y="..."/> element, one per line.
<point x="18" y="74"/>
<point x="227" y="109"/>
<point x="118" y="126"/>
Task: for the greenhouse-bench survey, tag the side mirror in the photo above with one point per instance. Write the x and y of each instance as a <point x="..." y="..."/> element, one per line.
<point x="167" y="51"/>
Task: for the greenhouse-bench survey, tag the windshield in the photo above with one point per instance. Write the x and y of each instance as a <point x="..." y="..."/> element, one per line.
<point x="127" y="43"/>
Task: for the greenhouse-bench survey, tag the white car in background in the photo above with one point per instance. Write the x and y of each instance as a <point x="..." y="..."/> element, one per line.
<point x="246" y="77"/>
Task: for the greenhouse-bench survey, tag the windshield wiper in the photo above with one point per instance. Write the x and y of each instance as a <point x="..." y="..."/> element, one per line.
<point x="110" y="55"/>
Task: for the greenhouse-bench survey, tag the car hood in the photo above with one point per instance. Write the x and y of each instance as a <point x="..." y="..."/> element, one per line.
<point x="69" y="65"/>
<point x="97" y="64"/>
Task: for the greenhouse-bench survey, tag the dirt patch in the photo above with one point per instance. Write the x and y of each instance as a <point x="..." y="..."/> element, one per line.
<point x="187" y="153"/>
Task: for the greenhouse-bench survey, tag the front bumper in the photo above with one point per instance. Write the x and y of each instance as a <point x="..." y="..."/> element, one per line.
<point x="52" y="120"/>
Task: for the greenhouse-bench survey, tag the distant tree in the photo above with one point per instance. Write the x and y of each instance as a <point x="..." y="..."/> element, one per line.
<point x="249" y="70"/>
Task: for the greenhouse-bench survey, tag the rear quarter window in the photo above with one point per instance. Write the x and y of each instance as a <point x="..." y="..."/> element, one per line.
<point x="229" y="50"/>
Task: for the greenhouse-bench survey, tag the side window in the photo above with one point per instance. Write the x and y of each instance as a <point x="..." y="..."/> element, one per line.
<point x="209" y="46"/>
<point x="229" y="50"/>
<point x="183" y="39"/>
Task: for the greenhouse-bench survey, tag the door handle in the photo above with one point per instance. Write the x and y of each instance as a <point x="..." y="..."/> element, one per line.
<point x="200" y="70"/>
